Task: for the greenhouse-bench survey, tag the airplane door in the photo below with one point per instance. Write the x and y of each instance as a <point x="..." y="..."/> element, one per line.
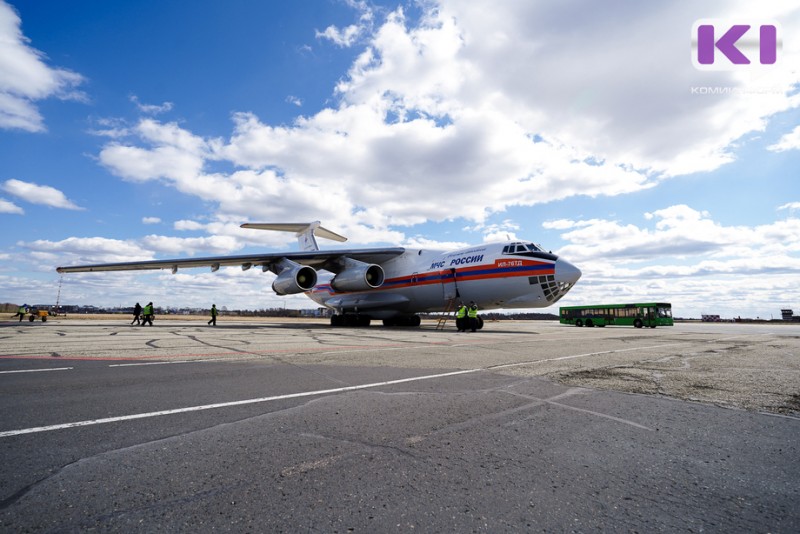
<point x="449" y="284"/>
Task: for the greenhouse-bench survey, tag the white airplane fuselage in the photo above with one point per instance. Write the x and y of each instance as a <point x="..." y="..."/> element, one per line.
<point x="495" y="275"/>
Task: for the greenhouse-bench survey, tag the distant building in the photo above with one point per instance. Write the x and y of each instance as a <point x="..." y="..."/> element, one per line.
<point x="788" y="315"/>
<point x="710" y="318"/>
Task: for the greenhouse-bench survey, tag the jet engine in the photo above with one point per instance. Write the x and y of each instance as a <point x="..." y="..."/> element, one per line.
<point x="358" y="276"/>
<point x="294" y="278"/>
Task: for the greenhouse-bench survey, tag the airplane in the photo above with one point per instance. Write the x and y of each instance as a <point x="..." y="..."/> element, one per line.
<point x="392" y="284"/>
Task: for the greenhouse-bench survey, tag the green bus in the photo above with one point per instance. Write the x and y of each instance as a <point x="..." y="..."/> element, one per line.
<point x="651" y="314"/>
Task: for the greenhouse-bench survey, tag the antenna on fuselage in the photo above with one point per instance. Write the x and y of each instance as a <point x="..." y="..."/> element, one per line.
<point x="305" y="232"/>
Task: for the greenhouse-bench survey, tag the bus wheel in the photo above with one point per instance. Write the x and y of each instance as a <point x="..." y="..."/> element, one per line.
<point x="637" y="323"/>
<point x="579" y="322"/>
<point x="589" y="323"/>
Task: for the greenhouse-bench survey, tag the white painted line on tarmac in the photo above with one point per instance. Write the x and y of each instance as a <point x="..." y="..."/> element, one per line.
<point x="132" y="417"/>
<point x="36" y="370"/>
<point x="560" y="358"/>
<point x="199" y="360"/>
<point x="91" y="422"/>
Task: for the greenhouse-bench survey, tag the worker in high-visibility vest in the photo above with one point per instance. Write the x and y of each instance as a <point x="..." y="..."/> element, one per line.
<point x="214" y="313"/>
<point x="147" y="314"/>
<point x="461" y="317"/>
<point x="21" y="311"/>
<point x="472" y="314"/>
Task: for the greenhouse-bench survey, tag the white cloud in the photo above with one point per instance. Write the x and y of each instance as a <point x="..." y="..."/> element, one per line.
<point x="679" y="232"/>
<point x="75" y="250"/>
<point x="7" y="206"/>
<point x="349" y="35"/>
<point x="463" y="92"/>
<point x="341" y="37"/>
<point x="188" y="225"/>
<point x="111" y="127"/>
<point x="174" y="246"/>
<point x="789" y="141"/>
<point x="792" y="206"/>
<point x="682" y="255"/>
<point x="26" y="78"/>
<point x="39" y="194"/>
<point x="151" y="220"/>
<point x="151" y="109"/>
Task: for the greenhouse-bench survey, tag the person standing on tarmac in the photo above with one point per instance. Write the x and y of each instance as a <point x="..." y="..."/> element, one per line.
<point x="472" y="314"/>
<point x="137" y="312"/>
<point x="21" y="311"/>
<point x="147" y="314"/>
<point x="461" y="317"/>
<point x="214" y="314"/>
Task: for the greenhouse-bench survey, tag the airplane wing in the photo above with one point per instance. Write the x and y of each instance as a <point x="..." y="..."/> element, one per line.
<point x="330" y="260"/>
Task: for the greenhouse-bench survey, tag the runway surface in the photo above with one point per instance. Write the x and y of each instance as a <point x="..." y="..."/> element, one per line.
<point x="524" y="426"/>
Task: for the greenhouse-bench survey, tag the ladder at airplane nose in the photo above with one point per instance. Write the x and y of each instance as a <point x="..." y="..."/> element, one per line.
<point x="440" y="324"/>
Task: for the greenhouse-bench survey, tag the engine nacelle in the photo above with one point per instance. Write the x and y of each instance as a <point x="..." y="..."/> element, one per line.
<point x="294" y="278"/>
<point x="358" y="276"/>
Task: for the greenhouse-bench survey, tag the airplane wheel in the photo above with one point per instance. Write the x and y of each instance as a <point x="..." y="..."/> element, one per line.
<point x="480" y="323"/>
<point x="407" y="320"/>
<point x="350" y="319"/>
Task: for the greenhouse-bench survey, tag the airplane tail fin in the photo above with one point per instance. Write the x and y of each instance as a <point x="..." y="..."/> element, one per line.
<point x="305" y="232"/>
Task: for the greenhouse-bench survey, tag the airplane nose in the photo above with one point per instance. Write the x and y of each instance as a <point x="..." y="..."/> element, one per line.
<point x="566" y="272"/>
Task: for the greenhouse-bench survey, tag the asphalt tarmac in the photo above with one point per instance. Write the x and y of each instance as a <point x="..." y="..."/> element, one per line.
<point x="299" y="427"/>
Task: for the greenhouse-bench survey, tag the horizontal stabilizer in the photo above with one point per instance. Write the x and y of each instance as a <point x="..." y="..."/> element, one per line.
<point x="305" y="232"/>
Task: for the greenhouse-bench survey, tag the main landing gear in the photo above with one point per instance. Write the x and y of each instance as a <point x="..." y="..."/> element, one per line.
<point x="350" y="319"/>
<point x="354" y="319"/>
<point x="403" y="320"/>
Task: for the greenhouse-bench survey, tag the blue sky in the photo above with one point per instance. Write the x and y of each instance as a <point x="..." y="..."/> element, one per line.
<point x="143" y="130"/>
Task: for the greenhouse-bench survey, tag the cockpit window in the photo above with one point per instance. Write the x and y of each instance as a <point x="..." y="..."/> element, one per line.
<point x="521" y="248"/>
